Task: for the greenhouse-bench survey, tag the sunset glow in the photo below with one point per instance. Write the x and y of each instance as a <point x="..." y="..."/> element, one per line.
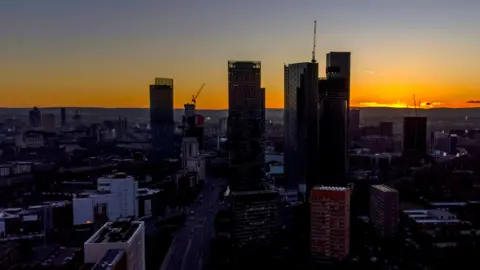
<point x="102" y="55"/>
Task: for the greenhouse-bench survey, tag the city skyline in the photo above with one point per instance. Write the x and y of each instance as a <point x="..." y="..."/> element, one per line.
<point x="91" y="54"/>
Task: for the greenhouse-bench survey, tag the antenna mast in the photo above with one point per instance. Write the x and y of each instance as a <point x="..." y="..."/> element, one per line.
<point x="314" y="41"/>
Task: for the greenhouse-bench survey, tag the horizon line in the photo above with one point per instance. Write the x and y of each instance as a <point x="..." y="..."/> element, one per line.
<point x="223" y="109"/>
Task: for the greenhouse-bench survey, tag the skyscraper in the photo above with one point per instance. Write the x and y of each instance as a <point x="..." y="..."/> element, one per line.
<point x="300" y="123"/>
<point x="415" y="136"/>
<point x="35" y="117"/>
<point x="161" y="116"/>
<point x="254" y="206"/>
<point x="63" y="117"/>
<point x="246" y="124"/>
<point x="341" y="61"/>
<point x="334" y="95"/>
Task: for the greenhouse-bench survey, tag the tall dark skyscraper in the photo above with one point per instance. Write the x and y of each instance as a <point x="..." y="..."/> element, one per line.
<point x="35" y="117"/>
<point x="334" y="95"/>
<point x="415" y="136"/>
<point x="63" y="117"/>
<point x="341" y="61"/>
<point x="246" y="124"/>
<point x="300" y="123"/>
<point x="161" y="116"/>
<point x="254" y="206"/>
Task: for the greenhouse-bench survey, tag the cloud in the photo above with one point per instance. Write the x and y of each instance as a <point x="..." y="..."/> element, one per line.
<point x="371" y="72"/>
<point x="430" y="104"/>
<point x="474" y="101"/>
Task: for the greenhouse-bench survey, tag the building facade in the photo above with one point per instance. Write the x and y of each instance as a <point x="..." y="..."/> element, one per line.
<point x="330" y="221"/>
<point x="300" y="123"/>
<point x="246" y="124"/>
<point x="161" y="116"/>
<point x="123" y="234"/>
<point x="384" y="210"/>
<point x="333" y="130"/>
<point x="255" y="217"/>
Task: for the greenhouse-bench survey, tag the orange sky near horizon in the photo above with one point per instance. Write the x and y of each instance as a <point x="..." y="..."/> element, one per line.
<point x="96" y="54"/>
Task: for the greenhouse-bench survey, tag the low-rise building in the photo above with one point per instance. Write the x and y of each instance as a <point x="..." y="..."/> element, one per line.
<point x="123" y="234"/>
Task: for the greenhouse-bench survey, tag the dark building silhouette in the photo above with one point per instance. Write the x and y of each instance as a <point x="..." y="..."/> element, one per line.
<point x="161" y="116"/>
<point x="255" y="217"/>
<point x="35" y="117"/>
<point x="386" y="129"/>
<point x="354" y="124"/>
<point x="415" y="136"/>
<point x="254" y="206"/>
<point x="300" y="123"/>
<point x="333" y="124"/>
<point x="384" y="210"/>
<point x="341" y="62"/>
<point x="246" y="124"/>
<point x="63" y="117"/>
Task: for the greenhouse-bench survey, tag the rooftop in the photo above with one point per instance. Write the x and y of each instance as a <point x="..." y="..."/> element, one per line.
<point x="384" y="188"/>
<point x="120" y="230"/>
<point x="328" y="188"/>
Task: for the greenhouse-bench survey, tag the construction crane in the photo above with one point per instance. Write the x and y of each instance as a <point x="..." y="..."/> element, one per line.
<point x="314" y="41"/>
<point x="194" y="97"/>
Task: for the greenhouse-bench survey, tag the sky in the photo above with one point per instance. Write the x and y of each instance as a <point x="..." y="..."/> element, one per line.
<point x="106" y="53"/>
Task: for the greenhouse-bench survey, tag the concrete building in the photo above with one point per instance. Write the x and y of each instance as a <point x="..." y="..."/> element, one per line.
<point x="191" y="159"/>
<point x="384" y="215"/>
<point x="126" y="187"/>
<point x="300" y="123"/>
<point x="114" y="259"/>
<point x="115" y="197"/>
<point x="330" y="221"/>
<point x="246" y="124"/>
<point x="161" y="116"/>
<point x="255" y="217"/>
<point x="123" y="234"/>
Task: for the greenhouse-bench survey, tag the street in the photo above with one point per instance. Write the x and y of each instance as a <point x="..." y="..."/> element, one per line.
<point x="189" y="248"/>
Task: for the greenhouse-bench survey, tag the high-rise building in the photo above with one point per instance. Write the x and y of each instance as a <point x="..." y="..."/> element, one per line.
<point x="384" y="210"/>
<point x="300" y="123"/>
<point x="161" y="116"/>
<point x="341" y="61"/>
<point x="35" y="118"/>
<point x="333" y="120"/>
<point x="354" y="131"/>
<point x="415" y="136"/>
<point x="255" y="217"/>
<point x="246" y="124"/>
<point x="330" y="221"/>
<point x="48" y="122"/>
<point x="333" y="130"/>
<point x="123" y="234"/>
<point x="63" y="117"/>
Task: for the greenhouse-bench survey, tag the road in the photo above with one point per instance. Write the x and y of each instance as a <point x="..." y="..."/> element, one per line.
<point x="190" y="247"/>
